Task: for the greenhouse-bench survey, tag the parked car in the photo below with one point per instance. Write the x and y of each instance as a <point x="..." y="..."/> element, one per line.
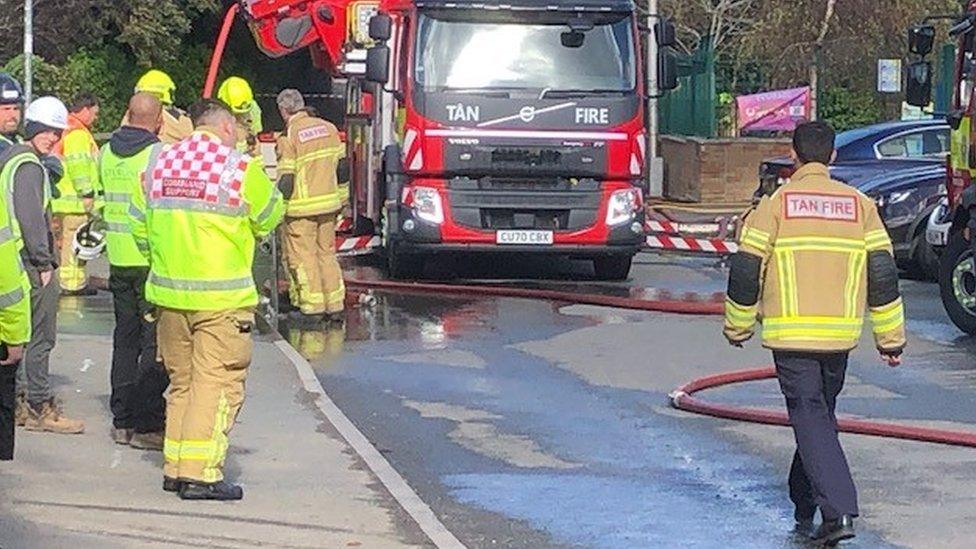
<point x="901" y="165"/>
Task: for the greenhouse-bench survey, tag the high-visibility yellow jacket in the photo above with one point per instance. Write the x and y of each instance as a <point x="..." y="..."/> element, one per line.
<point x="121" y="178"/>
<point x="202" y="206"/>
<point x="249" y="125"/>
<point x="309" y="150"/>
<point x="811" y="257"/>
<point x="79" y="154"/>
<point x="15" y="308"/>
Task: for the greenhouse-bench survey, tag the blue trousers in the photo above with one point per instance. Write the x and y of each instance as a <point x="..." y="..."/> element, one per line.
<point x="819" y="476"/>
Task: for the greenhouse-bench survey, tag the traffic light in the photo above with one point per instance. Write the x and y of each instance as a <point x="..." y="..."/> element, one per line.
<point x="667" y="61"/>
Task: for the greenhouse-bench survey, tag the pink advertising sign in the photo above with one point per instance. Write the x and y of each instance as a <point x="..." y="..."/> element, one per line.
<point x="779" y="110"/>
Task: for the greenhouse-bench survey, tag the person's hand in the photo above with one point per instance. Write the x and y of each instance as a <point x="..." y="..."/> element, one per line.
<point x="893" y="360"/>
<point x="14" y="354"/>
<point x="89" y="204"/>
<point x="46" y="278"/>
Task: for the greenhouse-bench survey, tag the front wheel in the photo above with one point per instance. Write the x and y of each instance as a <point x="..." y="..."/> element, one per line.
<point x="614" y="267"/>
<point x="957" y="283"/>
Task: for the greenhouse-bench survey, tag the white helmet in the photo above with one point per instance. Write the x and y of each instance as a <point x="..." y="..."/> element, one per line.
<point x="48" y="111"/>
<point x="88" y="242"/>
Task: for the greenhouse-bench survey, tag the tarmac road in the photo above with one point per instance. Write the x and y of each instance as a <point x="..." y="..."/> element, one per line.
<point x="527" y="424"/>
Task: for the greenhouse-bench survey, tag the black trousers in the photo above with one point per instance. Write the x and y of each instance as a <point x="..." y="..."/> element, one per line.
<point x="8" y="405"/>
<point x="138" y="379"/>
<point x="820" y="476"/>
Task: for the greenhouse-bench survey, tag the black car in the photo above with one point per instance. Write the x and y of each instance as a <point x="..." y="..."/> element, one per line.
<point x="901" y="165"/>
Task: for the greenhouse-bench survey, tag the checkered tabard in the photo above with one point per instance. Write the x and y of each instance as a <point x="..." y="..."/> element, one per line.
<point x="198" y="169"/>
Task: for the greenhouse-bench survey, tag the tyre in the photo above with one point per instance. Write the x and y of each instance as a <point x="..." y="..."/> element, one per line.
<point x="402" y="266"/>
<point x="613" y="267"/>
<point x="923" y="263"/>
<point x="957" y="283"/>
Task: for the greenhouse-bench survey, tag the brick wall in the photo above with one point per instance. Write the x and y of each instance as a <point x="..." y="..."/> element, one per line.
<point x="715" y="170"/>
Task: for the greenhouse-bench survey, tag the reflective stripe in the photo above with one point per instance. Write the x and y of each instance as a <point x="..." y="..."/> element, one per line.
<point x="200" y="285"/>
<point x="171" y="449"/>
<point x="740" y="316"/>
<point x="755" y="238"/>
<point x="123" y="228"/>
<point x="11" y="298"/>
<point x="6" y="234"/>
<point x="877" y="239"/>
<point x="181" y="204"/>
<point x="824" y="244"/>
<point x="270" y="207"/>
<point x="323" y="154"/>
<point x="855" y="268"/>
<point x="118" y="197"/>
<point x="889" y="317"/>
<point x="288" y="165"/>
<point x="786" y="269"/>
<point x="812" y="328"/>
<point x="136" y="213"/>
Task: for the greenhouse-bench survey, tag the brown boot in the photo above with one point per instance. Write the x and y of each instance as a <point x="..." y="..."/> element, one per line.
<point x="20" y="413"/>
<point x="147" y="441"/>
<point x="50" y="419"/>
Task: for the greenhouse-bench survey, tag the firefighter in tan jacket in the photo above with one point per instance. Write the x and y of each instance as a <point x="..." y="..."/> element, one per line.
<point x="813" y="256"/>
<point x="309" y="154"/>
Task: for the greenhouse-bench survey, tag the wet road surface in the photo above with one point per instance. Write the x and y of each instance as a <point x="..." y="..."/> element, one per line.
<point x="526" y="424"/>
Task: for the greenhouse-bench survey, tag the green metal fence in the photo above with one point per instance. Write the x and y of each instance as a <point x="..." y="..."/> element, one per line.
<point x="690" y="109"/>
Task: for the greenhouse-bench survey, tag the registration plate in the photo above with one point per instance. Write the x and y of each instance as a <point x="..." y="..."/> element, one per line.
<point x="524" y="238"/>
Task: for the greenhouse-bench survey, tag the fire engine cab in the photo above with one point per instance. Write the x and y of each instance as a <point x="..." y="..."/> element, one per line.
<point x="483" y="127"/>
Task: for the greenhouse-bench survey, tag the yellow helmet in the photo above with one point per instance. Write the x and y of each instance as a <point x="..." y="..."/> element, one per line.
<point x="159" y="84"/>
<point x="237" y="93"/>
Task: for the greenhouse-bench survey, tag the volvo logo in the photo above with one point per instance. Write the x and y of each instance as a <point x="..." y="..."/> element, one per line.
<point x="527" y="114"/>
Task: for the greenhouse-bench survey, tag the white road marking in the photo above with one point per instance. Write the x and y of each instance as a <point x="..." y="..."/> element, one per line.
<point x="391" y="479"/>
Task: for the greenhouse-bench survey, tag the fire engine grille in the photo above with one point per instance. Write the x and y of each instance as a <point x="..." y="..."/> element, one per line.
<point x="492" y="204"/>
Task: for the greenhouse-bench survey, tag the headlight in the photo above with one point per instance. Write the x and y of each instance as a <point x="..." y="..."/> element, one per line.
<point x="624" y="206"/>
<point x="896" y="197"/>
<point x="426" y="204"/>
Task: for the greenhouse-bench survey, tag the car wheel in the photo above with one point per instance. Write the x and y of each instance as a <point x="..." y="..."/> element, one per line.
<point x="614" y="267"/>
<point x="957" y="283"/>
<point x="923" y="263"/>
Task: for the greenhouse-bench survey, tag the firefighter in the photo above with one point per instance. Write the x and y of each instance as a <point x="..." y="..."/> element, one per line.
<point x="15" y="312"/>
<point x="196" y="223"/>
<point x="138" y="380"/>
<point x="75" y="195"/>
<point x="176" y="124"/>
<point x="25" y="181"/>
<point x="811" y="256"/>
<point x="309" y="151"/>
<point x="237" y="93"/>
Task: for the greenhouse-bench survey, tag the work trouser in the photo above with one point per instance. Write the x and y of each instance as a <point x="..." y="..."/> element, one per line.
<point x="207" y="355"/>
<point x="819" y="476"/>
<point x="8" y="407"/>
<point x="73" y="277"/>
<point x="33" y="374"/>
<point x="138" y="379"/>
<point x="310" y="242"/>
<point x="283" y="250"/>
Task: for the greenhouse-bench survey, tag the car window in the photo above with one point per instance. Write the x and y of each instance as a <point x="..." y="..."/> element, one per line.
<point x="924" y="144"/>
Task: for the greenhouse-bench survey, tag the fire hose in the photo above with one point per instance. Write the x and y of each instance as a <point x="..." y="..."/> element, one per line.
<point x="682" y="398"/>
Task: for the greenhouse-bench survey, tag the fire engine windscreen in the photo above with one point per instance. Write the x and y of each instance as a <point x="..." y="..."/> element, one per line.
<point x="455" y="54"/>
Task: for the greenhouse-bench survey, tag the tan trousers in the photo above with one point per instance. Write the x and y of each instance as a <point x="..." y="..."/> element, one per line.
<point x="73" y="277"/>
<point x="206" y="355"/>
<point x="310" y="245"/>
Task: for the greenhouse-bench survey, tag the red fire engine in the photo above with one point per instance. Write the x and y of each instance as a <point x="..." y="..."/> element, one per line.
<point x="482" y="127"/>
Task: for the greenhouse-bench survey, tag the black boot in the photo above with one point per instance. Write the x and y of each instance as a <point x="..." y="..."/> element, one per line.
<point x="832" y="532"/>
<point x="221" y="491"/>
<point x="172" y="484"/>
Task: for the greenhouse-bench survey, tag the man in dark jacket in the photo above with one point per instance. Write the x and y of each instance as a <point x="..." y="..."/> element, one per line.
<point x="29" y="187"/>
<point x="138" y="380"/>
